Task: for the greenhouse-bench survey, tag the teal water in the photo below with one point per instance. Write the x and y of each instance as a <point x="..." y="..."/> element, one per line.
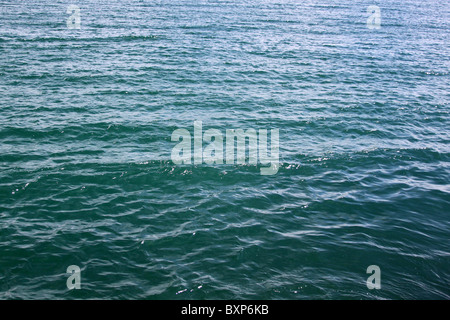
<point x="86" y="176"/>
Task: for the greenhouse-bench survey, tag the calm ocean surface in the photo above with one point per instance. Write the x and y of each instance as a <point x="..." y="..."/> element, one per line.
<point x="86" y="176"/>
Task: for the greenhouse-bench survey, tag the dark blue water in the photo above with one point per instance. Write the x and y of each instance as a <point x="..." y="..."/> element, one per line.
<point x="87" y="179"/>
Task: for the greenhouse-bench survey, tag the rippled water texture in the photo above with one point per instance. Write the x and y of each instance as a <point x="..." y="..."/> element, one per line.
<point x="86" y="176"/>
